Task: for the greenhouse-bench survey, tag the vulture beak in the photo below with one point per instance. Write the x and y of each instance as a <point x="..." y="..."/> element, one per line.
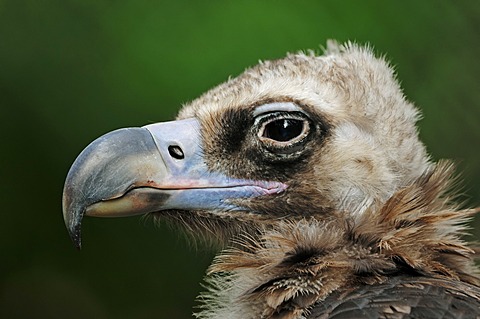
<point x="157" y="167"/>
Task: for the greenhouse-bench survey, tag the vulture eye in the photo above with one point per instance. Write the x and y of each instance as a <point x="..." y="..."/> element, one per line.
<point x="282" y="131"/>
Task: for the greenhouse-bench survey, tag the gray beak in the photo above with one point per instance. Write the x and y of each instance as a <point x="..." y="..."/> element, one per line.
<point x="157" y="167"/>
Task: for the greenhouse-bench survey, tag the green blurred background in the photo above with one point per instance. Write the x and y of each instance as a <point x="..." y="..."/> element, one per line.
<point x="71" y="70"/>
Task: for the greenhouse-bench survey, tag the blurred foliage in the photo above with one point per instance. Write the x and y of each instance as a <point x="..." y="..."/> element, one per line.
<point x="71" y="70"/>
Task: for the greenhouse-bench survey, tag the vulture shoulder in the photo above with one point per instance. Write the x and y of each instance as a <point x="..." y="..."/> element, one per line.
<point x="309" y="172"/>
<point x="420" y="298"/>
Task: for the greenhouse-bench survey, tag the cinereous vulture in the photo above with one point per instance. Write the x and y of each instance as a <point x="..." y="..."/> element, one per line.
<point x="310" y="171"/>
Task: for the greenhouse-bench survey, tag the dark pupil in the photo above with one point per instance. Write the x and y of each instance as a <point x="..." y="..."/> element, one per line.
<point x="283" y="130"/>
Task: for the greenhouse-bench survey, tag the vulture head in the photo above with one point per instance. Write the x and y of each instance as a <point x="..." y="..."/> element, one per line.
<point x="310" y="172"/>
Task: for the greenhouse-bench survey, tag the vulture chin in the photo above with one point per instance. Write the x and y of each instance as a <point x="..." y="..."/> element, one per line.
<point x="310" y="172"/>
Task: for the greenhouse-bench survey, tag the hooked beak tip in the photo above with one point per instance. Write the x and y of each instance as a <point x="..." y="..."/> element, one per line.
<point x="75" y="235"/>
<point x="75" y="232"/>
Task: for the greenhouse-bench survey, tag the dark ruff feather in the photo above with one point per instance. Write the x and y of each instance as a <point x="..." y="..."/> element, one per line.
<point x="291" y="267"/>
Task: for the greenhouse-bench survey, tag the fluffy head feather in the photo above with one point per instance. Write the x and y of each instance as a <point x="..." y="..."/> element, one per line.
<point x="370" y="147"/>
<point x="364" y="149"/>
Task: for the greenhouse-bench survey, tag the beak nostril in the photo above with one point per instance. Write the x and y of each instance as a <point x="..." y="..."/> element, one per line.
<point x="176" y="152"/>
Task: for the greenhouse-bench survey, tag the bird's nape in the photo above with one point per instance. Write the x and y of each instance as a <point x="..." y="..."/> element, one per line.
<point x="310" y="170"/>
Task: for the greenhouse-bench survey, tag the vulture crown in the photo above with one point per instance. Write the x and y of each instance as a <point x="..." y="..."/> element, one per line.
<point x="310" y="172"/>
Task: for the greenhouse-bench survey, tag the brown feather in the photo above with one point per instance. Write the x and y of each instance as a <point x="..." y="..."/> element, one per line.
<point x="295" y="264"/>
